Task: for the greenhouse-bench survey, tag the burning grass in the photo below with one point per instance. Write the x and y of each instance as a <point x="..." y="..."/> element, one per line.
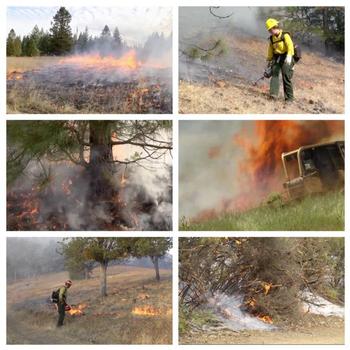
<point x="101" y="321"/>
<point x="315" y="213"/>
<point x="89" y="84"/>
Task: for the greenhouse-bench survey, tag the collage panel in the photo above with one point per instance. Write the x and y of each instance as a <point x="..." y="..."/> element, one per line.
<point x="82" y="60"/>
<point x="89" y="290"/>
<point x="261" y="175"/>
<point x="261" y="60"/>
<point x="259" y="290"/>
<point x="89" y="175"/>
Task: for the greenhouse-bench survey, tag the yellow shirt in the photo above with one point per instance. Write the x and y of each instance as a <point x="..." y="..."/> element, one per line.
<point x="280" y="47"/>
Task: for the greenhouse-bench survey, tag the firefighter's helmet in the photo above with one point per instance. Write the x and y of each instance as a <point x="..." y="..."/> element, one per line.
<point x="270" y="23"/>
<point x="68" y="283"/>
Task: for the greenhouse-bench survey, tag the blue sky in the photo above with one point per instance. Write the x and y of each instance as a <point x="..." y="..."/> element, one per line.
<point x="134" y="23"/>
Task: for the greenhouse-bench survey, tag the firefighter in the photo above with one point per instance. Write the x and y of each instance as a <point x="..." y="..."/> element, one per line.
<point x="62" y="304"/>
<point x="280" y="59"/>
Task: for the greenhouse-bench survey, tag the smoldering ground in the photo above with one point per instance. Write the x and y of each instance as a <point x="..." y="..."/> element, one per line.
<point x="60" y="195"/>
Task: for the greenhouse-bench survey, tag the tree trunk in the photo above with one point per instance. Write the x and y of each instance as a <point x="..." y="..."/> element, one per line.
<point x="100" y="168"/>
<point x="155" y="260"/>
<point x="103" y="278"/>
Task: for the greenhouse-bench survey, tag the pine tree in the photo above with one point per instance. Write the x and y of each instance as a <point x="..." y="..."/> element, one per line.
<point x="44" y="44"/>
<point x="31" y="48"/>
<point x="17" y="46"/>
<point x="61" y="32"/>
<point x="106" y="33"/>
<point x="82" y="42"/>
<point x="10" y="43"/>
<point x="117" y="38"/>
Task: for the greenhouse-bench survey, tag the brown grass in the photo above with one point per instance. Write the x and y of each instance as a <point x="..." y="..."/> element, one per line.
<point x="318" y="85"/>
<point x="30" y="97"/>
<point x="106" y="321"/>
<point x="23" y="64"/>
<point x="319" y="330"/>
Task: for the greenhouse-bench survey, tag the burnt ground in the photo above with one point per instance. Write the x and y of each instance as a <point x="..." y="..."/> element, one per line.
<point x="226" y="84"/>
<point x="32" y="320"/>
<point x="310" y="329"/>
<point x="66" y="89"/>
<point x="68" y="208"/>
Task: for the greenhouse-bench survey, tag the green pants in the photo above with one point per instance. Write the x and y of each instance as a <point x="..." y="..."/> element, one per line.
<point x="61" y="313"/>
<point x="287" y="75"/>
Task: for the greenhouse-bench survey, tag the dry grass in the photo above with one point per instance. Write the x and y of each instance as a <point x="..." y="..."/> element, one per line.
<point x="30" y="320"/>
<point x="32" y="101"/>
<point x="313" y="330"/>
<point x="318" y="85"/>
<point x="27" y="95"/>
<point x="23" y="64"/>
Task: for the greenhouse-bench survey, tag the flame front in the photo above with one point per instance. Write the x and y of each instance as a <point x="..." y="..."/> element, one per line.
<point x="261" y="161"/>
<point x="127" y="62"/>
<point x="259" y="171"/>
<point x="149" y="310"/>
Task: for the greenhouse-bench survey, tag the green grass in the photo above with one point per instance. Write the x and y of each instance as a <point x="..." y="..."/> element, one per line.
<point x="196" y="317"/>
<point x="316" y="213"/>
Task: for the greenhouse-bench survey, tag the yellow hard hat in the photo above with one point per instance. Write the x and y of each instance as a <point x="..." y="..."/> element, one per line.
<point x="270" y="23"/>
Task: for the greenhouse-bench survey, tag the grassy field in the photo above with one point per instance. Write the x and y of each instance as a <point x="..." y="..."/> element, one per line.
<point x="30" y="100"/>
<point x="27" y="93"/>
<point x="317" y="213"/>
<point x="23" y="64"/>
<point x="318" y="86"/>
<point x="32" y="320"/>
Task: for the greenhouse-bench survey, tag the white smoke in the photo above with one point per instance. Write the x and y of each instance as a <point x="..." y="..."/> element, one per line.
<point x="227" y="309"/>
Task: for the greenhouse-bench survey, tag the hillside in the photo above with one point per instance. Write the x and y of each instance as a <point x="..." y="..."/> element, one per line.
<point x="317" y="213"/>
<point x="226" y="85"/>
<point x="31" y="319"/>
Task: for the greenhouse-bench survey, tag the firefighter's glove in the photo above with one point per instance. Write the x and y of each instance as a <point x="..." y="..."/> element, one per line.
<point x="288" y="60"/>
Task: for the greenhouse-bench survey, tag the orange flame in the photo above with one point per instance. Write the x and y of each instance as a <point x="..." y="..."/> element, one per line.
<point x="266" y="319"/>
<point x="149" y="310"/>
<point x="259" y="170"/>
<point x="15" y="75"/>
<point x="77" y="310"/>
<point x="126" y="62"/>
<point x="261" y="163"/>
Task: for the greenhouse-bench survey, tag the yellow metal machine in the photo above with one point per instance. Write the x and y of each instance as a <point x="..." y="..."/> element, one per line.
<point x="314" y="169"/>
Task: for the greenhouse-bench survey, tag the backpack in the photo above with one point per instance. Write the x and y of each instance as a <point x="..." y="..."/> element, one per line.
<point x="297" y="49"/>
<point x="55" y="296"/>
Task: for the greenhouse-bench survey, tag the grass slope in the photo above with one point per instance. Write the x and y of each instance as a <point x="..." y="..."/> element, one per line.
<point x="317" y="213"/>
<point x="109" y="320"/>
<point x="318" y="84"/>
